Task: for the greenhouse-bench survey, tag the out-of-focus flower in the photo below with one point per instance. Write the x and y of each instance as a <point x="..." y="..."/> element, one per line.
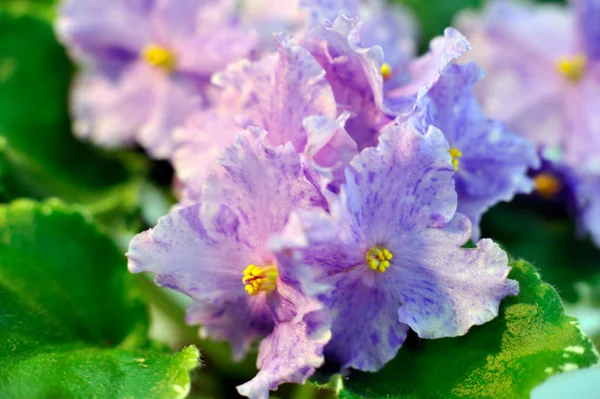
<point x="543" y="79"/>
<point x="490" y="162"/>
<point x="217" y="252"/>
<point x="392" y="252"/>
<point x="146" y="64"/>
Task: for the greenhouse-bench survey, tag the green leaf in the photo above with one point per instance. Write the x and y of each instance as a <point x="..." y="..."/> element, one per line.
<point x="39" y="157"/>
<point x="72" y="322"/>
<point x="528" y="342"/>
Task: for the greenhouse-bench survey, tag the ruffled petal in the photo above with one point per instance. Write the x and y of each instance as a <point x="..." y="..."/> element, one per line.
<point x="279" y="91"/>
<point x="447" y="289"/>
<point x="494" y="162"/>
<point x="425" y="72"/>
<point x="294" y="349"/>
<point x="329" y="149"/>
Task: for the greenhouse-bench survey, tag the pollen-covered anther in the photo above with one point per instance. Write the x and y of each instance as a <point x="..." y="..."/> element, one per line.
<point x="547" y="185"/>
<point x="455" y="154"/>
<point x="572" y="68"/>
<point x="386" y="71"/>
<point x="257" y="279"/>
<point x="379" y="258"/>
<point x="159" y="57"/>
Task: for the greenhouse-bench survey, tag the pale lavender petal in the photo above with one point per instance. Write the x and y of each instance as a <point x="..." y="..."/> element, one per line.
<point x="200" y="250"/>
<point x="176" y="97"/>
<point x="268" y="16"/>
<point x="321" y="10"/>
<point x="200" y="141"/>
<point x="262" y="184"/>
<point x="110" y="112"/>
<point x="279" y="91"/>
<point x="99" y="30"/>
<point x="294" y="349"/>
<point x="216" y="36"/>
<point x="329" y="148"/>
<point x="447" y="289"/>
<point x="425" y="72"/>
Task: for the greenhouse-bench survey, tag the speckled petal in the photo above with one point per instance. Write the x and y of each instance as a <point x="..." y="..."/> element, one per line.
<point x="425" y="72"/>
<point x="110" y="112"/>
<point x="263" y="184"/>
<point x="447" y="289"/>
<point x="294" y="349"/>
<point x="403" y="184"/>
<point x="494" y="162"/>
<point x="279" y="91"/>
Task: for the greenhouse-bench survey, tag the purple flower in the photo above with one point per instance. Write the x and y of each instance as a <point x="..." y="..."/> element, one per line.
<point x="275" y="93"/>
<point x="146" y="64"/>
<point x="543" y="80"/>
<point x="391" y="251"/>
<point x="588" y="195"/>
<point x="373" y="87"/>
<point x="217" y="252"/>
<point x="491" y="163"/>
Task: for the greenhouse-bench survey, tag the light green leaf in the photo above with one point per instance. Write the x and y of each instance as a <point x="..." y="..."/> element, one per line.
<point x="72" y="321"/>
<point x="528" y="342"/>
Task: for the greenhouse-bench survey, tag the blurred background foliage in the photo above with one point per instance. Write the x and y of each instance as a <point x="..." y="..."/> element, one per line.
<point x="125" y="192"/>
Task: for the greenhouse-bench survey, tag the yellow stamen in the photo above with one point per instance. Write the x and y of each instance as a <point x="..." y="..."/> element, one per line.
<point x="378" y="258"/>
<point x="257" y="279"/>
<point x="547" y="185"/>
<point x="572" y="68"/>
<point x="455" y="153"/>
<point x="386" y="71"/>
<point x="159" y="57"/>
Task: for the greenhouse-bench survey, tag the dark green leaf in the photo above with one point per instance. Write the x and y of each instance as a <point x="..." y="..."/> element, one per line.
<point x="72" y="323"/>
<point x="529" y="341"/>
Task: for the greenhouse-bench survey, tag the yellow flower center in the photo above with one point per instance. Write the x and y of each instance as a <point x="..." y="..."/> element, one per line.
<point x="572" y="68"/>
<point x="257" y="279"/>
<point x="547" y="185"/>
<point x="386" y="71"/>
<point x="455" y="154"/>
<point x="159" y="57"/>
<point x="378" y="258"/>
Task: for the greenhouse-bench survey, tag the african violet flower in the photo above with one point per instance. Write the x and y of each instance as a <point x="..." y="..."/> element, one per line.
<point x="217" y="252"/>
<point x="275" y="93"/>
<point x="374" y="91"/>
<point x="392" y="253"/>
<point x="490" y="162"/>
<point x="543" y="67"/>
<point x="146" y="64"/>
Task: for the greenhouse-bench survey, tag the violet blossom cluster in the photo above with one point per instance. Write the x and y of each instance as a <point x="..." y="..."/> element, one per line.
<point x="329" y="180"/>
<point x="543" y="68"/>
